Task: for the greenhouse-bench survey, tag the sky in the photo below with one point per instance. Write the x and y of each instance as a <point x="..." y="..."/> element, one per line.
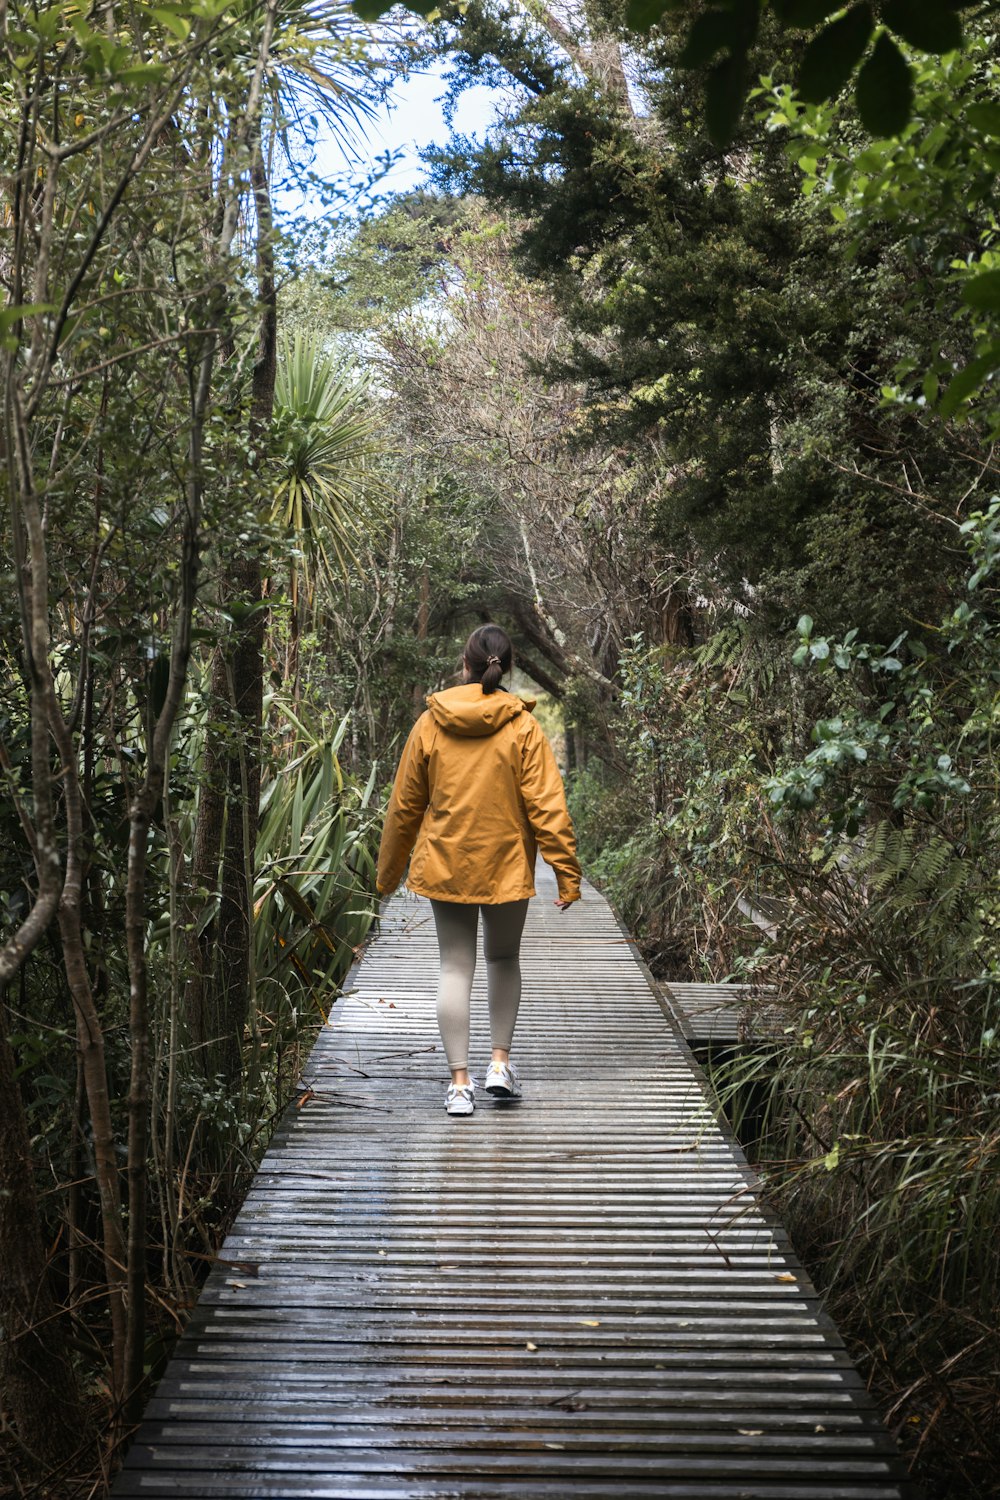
<point x="412" y="119"/>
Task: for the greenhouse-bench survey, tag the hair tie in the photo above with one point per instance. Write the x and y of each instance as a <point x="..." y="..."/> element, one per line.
<point x="491" y="659"/>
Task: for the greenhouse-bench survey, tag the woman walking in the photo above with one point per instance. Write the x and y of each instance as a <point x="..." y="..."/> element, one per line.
<point x="476" y="792"/>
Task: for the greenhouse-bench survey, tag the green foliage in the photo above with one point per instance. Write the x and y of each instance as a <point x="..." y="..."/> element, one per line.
<point x="896" y="725"/>
<point x="720" y="320"/>
<point x="838" y="45"/>
<point x="323" y="438"/>
<point x="855" y="799"/>
<point x="315" y="867"/>
<point x="137" y="187"/>
<point x="934" y="184"/>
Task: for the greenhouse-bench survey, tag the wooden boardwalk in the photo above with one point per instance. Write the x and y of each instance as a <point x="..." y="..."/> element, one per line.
<point x="721" y="1013"/>
<point x="576" y="1295"/>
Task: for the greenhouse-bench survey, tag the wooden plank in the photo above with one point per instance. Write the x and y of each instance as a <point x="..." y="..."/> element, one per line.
<point x="723" y="1013"/>
<point x="577" y="1295"/>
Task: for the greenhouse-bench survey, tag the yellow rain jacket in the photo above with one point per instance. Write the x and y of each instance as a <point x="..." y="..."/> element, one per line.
<point x="477" y="790"/>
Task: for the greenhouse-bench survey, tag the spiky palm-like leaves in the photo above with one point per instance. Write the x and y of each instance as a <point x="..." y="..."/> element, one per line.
<point x="324" y="439"/>
<point x="315" y="862"/>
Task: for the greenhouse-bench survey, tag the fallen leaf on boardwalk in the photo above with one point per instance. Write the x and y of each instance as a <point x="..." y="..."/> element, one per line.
<point x="785" y="1276"/>
<point x="239" y="1286"/>
<point x="819" y="1427"/>
<point x="591" y="1322"/>
<point x="392" y="1005"/>
<point x="750" y="1431"/>
<point x="383" y="1252"/>
<point x="555" y="1445"/>
<point x="532" y="1347"/>
<point x="447" y="1268"/>
<point x="304" y="1098"/>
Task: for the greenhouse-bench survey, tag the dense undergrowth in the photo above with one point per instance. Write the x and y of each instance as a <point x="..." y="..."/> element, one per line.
<point x="313" y="871"/>
<point x="867" y="829"/>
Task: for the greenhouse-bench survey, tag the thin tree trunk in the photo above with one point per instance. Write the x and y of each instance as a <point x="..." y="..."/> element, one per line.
<point x="246" y="664"/>
<point x="141" y="813"/>
<point x="33" y="558"/>
<point x="232" y="975"/>
<point x="204" y="881"/>
<point x="204" y="1013"/>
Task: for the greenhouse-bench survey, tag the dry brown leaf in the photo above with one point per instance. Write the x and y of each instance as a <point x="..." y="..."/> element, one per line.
<point x="591" y="1322"/>
<point x="785" y="1276"/>
<point x="304" y="1098"/>
<point x="531" y="1346"/>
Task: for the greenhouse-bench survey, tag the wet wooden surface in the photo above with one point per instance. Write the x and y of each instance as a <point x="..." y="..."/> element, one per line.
<point x="575" y="1295"/>
<point x="725" y="1013"/>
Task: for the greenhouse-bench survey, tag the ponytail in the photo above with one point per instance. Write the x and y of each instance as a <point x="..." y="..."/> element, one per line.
<point x="488" y="655"/>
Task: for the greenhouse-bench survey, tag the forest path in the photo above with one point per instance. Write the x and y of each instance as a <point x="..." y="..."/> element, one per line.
<point x="575" y="1295"/>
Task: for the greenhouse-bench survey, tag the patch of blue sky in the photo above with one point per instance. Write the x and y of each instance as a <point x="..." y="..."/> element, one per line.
<point x="348" y="175"/>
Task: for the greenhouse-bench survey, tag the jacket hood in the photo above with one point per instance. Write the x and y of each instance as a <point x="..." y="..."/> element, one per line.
<point x="468" y="711"/>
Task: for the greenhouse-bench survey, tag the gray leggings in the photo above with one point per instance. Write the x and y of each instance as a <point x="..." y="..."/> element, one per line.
<point x="457" y="926"/>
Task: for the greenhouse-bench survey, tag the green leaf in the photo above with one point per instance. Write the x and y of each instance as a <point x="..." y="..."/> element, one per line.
<point x="9" y="316"/>
<point x="885" y="89"/>
<point x="141" y="73"/>
<point x="725" y="94"/>
<point x="983" y="291"/>
<point x="833" y="54"/>
<point x="180" y="26"/>
<point x="832" y="1158"/>
<point x="805" y="625"/>
<point x="968" y="381"/>
<point x="928" y="25"/>
<point x="984" y="117"/>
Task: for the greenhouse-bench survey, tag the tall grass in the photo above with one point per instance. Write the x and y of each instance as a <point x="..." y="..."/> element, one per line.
<point x="857" y="789"/>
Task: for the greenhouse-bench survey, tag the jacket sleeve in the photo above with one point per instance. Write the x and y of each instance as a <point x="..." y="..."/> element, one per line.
<point x="407" y="804"/>
<point x="545" y="804"/>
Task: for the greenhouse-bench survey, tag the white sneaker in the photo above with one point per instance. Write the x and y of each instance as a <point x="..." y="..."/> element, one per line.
<point x="502" y="1081"/>
<point x="460" y="1099"/>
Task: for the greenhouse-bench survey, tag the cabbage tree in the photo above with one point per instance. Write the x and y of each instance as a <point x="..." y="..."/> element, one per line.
<point x="324" y="440"/>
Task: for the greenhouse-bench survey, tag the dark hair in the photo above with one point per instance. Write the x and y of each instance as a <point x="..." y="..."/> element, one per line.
<point x="488" y="655"/>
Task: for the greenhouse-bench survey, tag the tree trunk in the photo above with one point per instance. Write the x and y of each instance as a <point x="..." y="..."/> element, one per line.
<point x="209" y="826"/>
<point x="141" y="812"/>
<point x="232" y="977"/>
<point x="231" y="981"/>
<point x="46" y="712"/>
<point x="39" y="1383"/>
